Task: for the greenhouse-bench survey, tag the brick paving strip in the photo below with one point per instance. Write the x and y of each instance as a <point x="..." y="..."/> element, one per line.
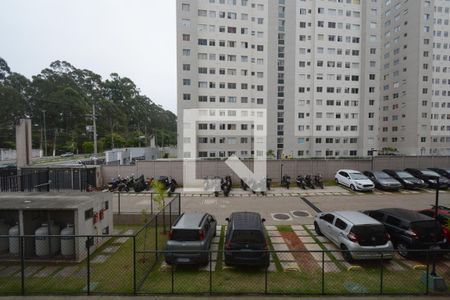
<point x="47" y="271"/>
<point x="303" y="259"/>
<point x="9" y="271"/>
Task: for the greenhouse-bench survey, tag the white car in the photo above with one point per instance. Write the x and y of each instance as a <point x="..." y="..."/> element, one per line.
<point x="355" y="180"/>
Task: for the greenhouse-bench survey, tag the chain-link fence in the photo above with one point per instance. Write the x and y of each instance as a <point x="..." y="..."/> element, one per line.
<point x="135" y="264"/>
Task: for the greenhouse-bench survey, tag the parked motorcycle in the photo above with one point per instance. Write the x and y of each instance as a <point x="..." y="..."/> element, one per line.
<point x="244" y="186"/>
<point x="268" y="183"/>
<point x="169" y="182"/>
<point x="301" y="182"/>
<point x="226" y="185"/>
<point x="318" y="181"/>
<point x="308" y="181"/>
<point x="286" y="181"/>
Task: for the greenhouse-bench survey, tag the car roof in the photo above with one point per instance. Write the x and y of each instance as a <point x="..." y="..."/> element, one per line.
<point x="442" y="210"/>
<point x="246" y="220"/>
<point x="356" y="217"/>
<point x="405" y="214"/>
<point x="189" y="221"/>
<point x="349" y="171"/>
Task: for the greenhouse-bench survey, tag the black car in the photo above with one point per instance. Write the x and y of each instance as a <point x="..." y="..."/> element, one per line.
<point x="406" y="179"/>
<point x="430" y="178"/>
<point x="245" y="240"/>
<point x="409" y="229"/>
<point x="442" y="172"/>
<point x="383" y="181"/>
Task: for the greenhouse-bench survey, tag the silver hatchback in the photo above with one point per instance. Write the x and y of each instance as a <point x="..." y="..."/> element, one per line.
<point x="360" y="236"/>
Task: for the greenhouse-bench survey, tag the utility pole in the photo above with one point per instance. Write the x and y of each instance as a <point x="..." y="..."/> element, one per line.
<point x="45" y="135"/>
<point x="94" y="123"/>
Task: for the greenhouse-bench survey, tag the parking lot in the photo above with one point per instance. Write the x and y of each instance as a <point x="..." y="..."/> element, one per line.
<point x="282" y="201"/>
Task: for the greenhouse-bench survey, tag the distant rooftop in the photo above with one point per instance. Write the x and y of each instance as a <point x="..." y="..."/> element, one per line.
<point x="49" y="201"/>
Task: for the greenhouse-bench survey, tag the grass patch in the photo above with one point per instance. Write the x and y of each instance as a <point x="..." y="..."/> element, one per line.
<point x="285" y="228"/>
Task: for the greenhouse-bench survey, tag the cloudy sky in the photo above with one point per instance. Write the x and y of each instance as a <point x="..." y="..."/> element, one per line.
<point x="135" y="38"/>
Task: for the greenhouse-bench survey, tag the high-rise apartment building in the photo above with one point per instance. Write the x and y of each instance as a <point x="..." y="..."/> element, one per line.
<point x="415" y="104"/>
<point x="325" y="70"/>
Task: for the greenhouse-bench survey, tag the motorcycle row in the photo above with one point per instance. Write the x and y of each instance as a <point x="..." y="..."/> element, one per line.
<point x="304" y="182"/>
<point x="140" y="184"/>
<point x="218" y="185"/>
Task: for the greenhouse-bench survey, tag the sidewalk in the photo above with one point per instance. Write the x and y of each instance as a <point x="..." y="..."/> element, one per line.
<point x="222" y="298"/>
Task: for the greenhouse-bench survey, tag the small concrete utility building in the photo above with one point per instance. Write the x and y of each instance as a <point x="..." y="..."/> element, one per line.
<point x="37" y="215"/>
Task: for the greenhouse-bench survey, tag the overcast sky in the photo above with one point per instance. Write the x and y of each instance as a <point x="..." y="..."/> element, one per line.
<point x="135" y="38"/>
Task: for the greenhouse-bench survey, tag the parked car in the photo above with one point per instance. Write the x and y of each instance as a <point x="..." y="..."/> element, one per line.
<point x="430" y="178"/>
<point x="245" y="240"/>
<point x="355" y="180"/>
<point x="363" y="236"/>
<point x="443" y="217"/>
<point x="190" y="239"/>
<point x="409" y="230"/>
<point x="442" y="172"/>
<point x="406" y="179"/>
<point x="383" y="181"/>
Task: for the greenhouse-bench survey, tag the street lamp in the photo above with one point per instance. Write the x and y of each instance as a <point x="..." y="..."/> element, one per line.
<point x="435" y="282"/>
<point x="371" y="154"/>
<point x="45" y="135"/>
<point x="281" y="171"/>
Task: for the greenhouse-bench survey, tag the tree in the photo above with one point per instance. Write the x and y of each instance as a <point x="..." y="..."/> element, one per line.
<point x="67" y="95"/>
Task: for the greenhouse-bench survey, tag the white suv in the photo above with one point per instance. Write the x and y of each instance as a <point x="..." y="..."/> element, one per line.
<point x="355" y="180"/>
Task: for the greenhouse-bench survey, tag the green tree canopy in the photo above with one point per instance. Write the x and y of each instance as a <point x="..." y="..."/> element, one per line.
<point x="66" y="95"/>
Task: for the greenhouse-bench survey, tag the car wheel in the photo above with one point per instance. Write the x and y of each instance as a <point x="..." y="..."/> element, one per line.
<point x="317" y="229"/>
<point x="402" y="249"/>
<point x="346" y="254"/>
<point x="353" y="187"/>
<point x="337" y="181"/>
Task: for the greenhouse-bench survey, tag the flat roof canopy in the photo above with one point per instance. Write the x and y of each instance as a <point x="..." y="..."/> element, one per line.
<point x="49" y="201"/>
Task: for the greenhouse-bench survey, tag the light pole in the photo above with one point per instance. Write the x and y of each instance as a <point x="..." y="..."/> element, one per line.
<point x="371" y="154"/>
<point x="436" y="211"/>
<point x="94" y="124"/>
<point x="281" y="173"/>
<point x="45" y="135"/>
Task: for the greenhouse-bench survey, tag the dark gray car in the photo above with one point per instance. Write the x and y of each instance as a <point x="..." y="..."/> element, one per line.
<point x="383" y="181"/>
<point x="190" y="239"/>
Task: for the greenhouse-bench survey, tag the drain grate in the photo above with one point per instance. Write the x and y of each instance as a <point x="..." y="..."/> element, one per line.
<point x="300" y="213"/>
<point x="281" y="217"/>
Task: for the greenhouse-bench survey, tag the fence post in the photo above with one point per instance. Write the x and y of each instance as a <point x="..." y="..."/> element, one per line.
<point x="151" y="203"/>
<point x="88" y="265"/>
<point x="118" y="202"/>
<point x="156" y="236"/>
<point x="323" y="272"/>
<point x="134" y="265"/>
<point x="22" y="265"/>
<point x="427" y="291"/>
<point x="265" y="277"/>
<point x="170" y="214"/>
<point x="210" y="272"/>
<point x="381" y="274"/>
<point x="172" y="267"/>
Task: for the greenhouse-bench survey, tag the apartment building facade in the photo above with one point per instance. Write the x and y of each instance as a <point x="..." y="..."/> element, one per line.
<point x="415" y="105"/>
<point x="317" y="67"/>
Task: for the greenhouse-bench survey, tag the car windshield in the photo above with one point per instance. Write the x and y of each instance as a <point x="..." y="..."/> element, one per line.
<point x="382" y="175"/>
<point x="247" y="237"/>
<point x="185" y="235"/>
<point x="358" y="176"/>
<point x="402" y="174"/>
<point x="430" y="173"/>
